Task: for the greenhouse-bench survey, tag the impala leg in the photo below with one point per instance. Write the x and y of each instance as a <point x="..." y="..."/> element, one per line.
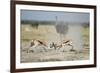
<point x="72" y="49"/>
<point x="44" y="49"/>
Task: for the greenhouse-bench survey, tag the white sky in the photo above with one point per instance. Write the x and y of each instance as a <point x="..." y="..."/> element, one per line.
<point x="51" y="16"/>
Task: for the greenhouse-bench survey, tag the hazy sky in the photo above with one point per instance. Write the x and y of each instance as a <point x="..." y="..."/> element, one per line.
<point x="51" y="16"/>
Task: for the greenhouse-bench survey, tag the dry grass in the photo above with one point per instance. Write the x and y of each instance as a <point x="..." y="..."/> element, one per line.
<point x="48" y="33"/>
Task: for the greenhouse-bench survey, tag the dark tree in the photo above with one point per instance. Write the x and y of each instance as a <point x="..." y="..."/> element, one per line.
<point x="62" y="29"/>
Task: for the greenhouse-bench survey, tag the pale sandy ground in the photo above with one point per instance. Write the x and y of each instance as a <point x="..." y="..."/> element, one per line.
<point x="54" y="55"/>
<point x="49" y="34"/>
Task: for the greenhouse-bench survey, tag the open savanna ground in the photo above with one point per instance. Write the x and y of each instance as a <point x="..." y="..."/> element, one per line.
<point x="48" y="33"/>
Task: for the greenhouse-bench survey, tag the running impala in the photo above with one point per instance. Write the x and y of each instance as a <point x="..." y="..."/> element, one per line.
<point x="36" y="43"/>
<point x="63" y="44"/>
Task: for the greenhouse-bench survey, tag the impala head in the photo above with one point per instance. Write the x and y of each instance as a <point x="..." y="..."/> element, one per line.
<point x="52" y="45"/>
<point x="32" y="43"/>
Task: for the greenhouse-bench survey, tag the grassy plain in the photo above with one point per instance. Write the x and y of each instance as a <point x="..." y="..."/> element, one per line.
<point x="48" y="33"/>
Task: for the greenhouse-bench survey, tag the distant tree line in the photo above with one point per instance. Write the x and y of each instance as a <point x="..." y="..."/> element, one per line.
<point x="35" y="24"/>
<point x="86" y="25"/>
